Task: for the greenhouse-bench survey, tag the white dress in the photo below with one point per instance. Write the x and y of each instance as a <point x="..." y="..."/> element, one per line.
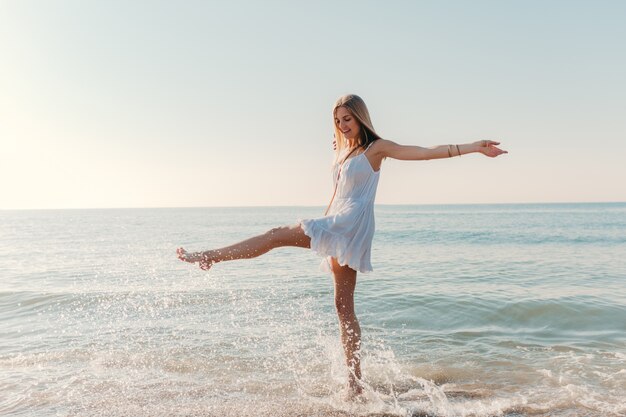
<point x="346" y="232"/>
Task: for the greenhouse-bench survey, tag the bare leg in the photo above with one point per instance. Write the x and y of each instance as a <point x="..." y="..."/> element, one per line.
<point x="345" y="282"/>
<point x="249" y="248"/>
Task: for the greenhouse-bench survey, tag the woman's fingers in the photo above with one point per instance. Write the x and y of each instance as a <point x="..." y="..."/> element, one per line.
<point x="496" y="151"/>
<point x="492" y="151"/>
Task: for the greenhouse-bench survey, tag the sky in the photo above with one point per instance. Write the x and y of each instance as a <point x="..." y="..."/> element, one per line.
<point x="109" y="104"/>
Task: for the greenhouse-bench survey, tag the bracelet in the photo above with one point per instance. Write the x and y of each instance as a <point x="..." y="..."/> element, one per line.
<point x="449" y="154"/>
<point x="457" y="149"/>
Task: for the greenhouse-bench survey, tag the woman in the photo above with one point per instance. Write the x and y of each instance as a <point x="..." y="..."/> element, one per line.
<point x="344" y="235"/>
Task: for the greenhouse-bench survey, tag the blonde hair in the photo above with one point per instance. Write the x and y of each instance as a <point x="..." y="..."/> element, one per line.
<point x="356" y="106"/>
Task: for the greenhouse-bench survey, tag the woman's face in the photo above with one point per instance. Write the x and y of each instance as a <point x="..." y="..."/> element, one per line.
<point x="346" y="123"/>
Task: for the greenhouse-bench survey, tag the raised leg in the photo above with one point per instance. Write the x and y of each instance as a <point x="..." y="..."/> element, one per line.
<point x="250" y="248"/>
<point x="345" y="282"/>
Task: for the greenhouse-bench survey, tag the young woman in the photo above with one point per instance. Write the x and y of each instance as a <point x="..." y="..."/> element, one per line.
<point x="344" y="235"/>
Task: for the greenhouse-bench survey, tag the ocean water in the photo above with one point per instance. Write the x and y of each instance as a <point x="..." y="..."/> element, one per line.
<point x="472" y="310"/>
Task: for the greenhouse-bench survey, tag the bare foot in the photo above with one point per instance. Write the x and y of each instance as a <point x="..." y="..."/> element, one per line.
<point x="193" y="257"/>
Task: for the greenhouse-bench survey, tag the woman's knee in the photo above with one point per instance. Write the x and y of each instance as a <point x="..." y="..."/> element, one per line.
<point x="344" y="307"/>
<point x="276" y="235"/>
<point x="291" y="235"/>
<point x="281" y="235"/>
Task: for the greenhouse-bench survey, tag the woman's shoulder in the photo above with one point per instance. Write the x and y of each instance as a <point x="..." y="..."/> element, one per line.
<point x="377" y="145"/>
<point x="378" y="142"/>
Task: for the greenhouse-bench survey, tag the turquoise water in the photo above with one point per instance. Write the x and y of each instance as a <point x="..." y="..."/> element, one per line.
<point x="472" y="310"/>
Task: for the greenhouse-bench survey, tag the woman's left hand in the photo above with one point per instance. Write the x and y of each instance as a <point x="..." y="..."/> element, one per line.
<point x="488" y="148"/>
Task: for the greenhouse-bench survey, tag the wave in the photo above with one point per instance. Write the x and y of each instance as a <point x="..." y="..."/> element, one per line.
<point x="493" y="237"/>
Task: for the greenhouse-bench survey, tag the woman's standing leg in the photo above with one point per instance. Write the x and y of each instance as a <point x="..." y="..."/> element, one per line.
<point x="345" y="282"/>
<point x="250" y="248"/>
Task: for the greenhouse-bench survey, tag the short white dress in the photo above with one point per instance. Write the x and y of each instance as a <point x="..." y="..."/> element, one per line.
<point x="347" y="231"/>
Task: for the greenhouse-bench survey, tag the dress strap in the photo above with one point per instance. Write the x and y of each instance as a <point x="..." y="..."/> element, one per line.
<point x="368" y="146"/>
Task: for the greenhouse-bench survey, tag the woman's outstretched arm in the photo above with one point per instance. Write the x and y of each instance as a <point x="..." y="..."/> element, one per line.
<point x="388" y="148"/>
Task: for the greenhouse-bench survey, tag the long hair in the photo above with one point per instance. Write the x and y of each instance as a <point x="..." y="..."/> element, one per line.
<point x="356" y="106"/>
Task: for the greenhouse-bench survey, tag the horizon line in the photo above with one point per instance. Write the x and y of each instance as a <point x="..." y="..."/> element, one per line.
<point x="306" y="205"/>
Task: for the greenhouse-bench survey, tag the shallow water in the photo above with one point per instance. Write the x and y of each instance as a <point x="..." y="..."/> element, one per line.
<point x="514" y="310"/>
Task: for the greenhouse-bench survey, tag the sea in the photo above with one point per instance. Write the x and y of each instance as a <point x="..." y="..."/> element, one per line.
<point x="471" y="310"/>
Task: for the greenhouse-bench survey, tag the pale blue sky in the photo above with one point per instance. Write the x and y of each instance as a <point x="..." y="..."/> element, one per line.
<point x="173" y="104"/>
